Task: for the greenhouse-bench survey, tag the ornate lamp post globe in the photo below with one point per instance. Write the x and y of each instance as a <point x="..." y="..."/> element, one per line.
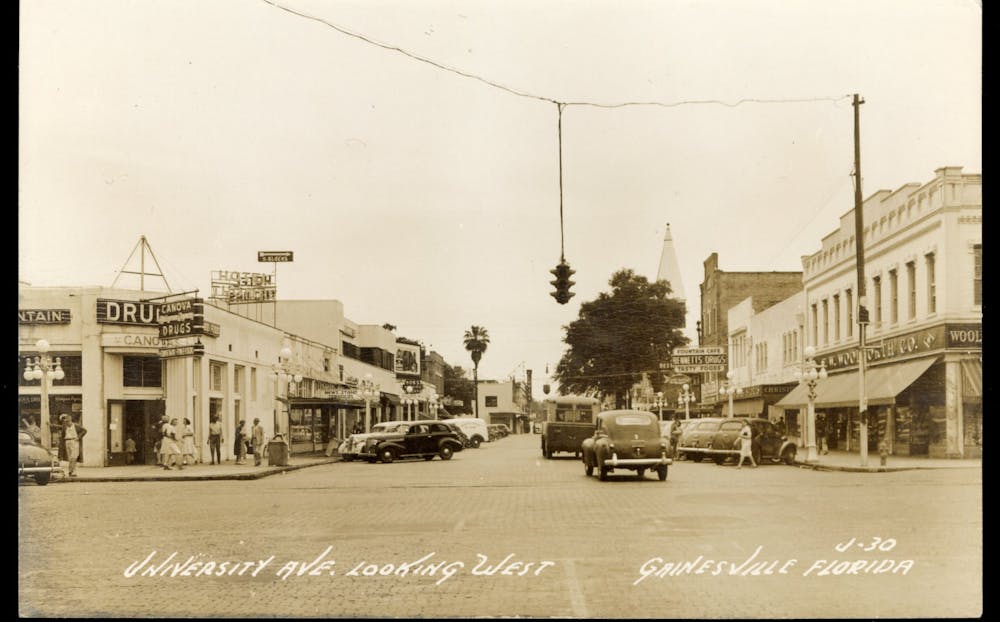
<point x="810" y="374"/>
<point x="44" y="369"/>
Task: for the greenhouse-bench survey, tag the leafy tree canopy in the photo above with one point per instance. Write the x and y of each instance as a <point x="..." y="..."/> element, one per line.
<point x="458" y="386"/>
<point x="621" y="334"/>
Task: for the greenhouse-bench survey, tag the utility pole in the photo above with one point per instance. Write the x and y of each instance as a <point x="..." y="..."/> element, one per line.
<point x="859" y="244"/>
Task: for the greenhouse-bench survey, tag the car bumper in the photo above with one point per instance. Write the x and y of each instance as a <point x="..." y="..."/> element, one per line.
<point x="34" y="470"/>
<point x="615" y="461"/>
<point x="709" y="450"/>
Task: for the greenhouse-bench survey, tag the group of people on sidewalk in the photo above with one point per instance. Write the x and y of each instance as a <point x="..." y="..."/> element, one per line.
<point x="176" y="447"/>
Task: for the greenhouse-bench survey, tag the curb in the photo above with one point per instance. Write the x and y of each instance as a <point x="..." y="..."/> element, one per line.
<point x="195" y="478"/>
<point x="875" y="469"/>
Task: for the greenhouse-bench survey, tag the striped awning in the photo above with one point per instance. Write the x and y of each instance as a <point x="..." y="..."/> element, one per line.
<point x="972" y="378"/>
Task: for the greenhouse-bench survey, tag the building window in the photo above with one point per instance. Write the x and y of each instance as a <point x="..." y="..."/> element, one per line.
<point x="326" y="363"/>
<point x="253" y="384"/>
<point x="340" y="369"/>
<point x="911" y="292"/>
<point x="826" y="322"/>
<point x="71" y="364"/>
<point x="893" y="297"/>
<point x="215" y="376"/>
<point x="849" y="309"/>
<point x="877" y="293"/>
<point x="142" y="371"/>
<point x="238" y="371"/>
<point x="931" y="285"/>
<point x="836" y="317"/>
<point x="815" y="324"/>
<point x="490" y="401"/>
<point x="977" y="274"/>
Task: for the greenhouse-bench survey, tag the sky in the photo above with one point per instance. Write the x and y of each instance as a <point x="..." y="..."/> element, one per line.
<point x="430" y="200"/>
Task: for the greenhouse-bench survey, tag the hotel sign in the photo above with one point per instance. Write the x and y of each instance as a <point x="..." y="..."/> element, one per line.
<point x="237" y="288"/>
<point x="275" y="256"/>
<point x="43" y="316"/>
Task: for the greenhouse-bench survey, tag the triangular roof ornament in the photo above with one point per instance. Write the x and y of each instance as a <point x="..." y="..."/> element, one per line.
<point x="143" y="247"/>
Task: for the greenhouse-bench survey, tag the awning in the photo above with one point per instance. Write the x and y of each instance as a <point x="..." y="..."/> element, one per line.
<point x="745" y="407"/>
<point x="391" y="398"/>
<point x="972" y="378"/>
<point x="883" y="384"/>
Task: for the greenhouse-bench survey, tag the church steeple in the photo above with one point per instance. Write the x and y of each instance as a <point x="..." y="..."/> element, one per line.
<point x="669" y="270"/>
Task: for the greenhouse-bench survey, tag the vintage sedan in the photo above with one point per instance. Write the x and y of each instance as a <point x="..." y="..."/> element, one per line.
<point x="413" y="439"/>
<point x="34" y="461"/>
<point x="767" y="444"/>
<point x="626" y="439"/>
<point x="696" y="439"/>
<point x="354" y="443"/>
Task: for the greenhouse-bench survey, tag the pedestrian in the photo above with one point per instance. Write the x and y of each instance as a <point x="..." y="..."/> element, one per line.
<point x="675" y="437"/>
<point x="358" y="428"/>
<point x="187" y="442"/>
<point x="169" y="446"/>
<point x="257" y="441"/>
<point x="240" y="444"/>
<point x="72" y="435"/>
<point x="161" y="450"/>
<point x="32" y="428"/>
<point x="215" y="440"/>
<point x="883" y="451"/>
<point x="746" y="445"/>
<point x="129" y="450"/>
<point x="821" y="433"/>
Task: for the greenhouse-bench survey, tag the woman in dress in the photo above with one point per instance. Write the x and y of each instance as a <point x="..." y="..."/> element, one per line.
<point x="746" y="445"/>
<point x="187" y="442"/>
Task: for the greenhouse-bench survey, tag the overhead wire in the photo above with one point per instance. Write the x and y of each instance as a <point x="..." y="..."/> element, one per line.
<point x="544" y="98"/>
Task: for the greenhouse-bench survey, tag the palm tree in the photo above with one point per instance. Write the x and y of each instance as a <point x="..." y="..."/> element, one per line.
<point x="476" y="339"/>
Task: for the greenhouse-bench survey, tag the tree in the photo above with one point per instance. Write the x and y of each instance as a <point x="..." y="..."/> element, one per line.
<point x="457" y="386"/>
<point x="476" y="339"/>
<point x="620" y="335"/>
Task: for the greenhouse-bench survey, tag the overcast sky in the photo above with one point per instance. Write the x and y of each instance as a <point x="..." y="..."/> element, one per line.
<point x="430" y="200"/>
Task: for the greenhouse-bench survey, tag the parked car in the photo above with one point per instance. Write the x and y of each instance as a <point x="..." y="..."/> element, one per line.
<point x="413" y="439"/>
<point x="354" y="443"/>
<point x="475" y="429"/>
<point x="696" y="439"/>
<point x="498" y="430"/>
<point x="626" y="439"/>
<point x="466" y="441"/>
<point x="767" y="443"/>
<point x="34" y="461"/>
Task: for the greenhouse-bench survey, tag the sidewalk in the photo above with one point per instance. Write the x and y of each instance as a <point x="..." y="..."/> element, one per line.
<point x="851" y="461"/>
<point x="193" y="472"/>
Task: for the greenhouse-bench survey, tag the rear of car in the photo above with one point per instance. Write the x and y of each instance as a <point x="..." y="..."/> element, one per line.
<point x="626" y="439"/>
<point x="696" y="441"/>
<point x="34" y="461"/>
<point x="476" y="429"/>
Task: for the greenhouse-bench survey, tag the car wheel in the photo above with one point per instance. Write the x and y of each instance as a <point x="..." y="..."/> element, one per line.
<point x="387" y="455"/>
<point x="546" y="452"/>
<point x="603" y="473"/>
<point x="476" y="442"/>
<point x="588" y="468"/>
<point x="661" y="472"/>
<point x="430" y="457"/>
<point x="719" y="460"/>
<point x="348" y="458"/>
<point x="42" y="478"/>
<point x="696" y="457"/>
<point x="446" y="452"/>
<point x="788" y="456"/>
<point x="756" y="455"/>
<point x="640" y="473"/>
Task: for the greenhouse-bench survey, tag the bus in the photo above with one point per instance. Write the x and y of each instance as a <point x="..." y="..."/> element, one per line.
<point x="568" y="420"/>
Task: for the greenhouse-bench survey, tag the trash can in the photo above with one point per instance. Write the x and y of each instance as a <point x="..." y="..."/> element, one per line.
<point x="277" y="452"/>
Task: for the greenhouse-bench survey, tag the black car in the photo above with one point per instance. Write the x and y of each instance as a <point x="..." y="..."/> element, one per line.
<point x="418" y="439"/>
<point x="35" y="461"/>
<point x="462" y="436"/>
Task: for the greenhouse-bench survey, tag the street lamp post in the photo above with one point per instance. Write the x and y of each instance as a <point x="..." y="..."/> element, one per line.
<point x="659" y="404"/>
<point x="44" y="368"/>
<point x="686" y="397"/>
<point x="283" y="378"/>
<point x="810" y="374"/>
<point x="368" y="390"/>
<point x="730" y="389"/>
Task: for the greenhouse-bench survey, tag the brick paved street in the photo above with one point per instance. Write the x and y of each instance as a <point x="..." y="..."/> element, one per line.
<point x="77" y="541"/>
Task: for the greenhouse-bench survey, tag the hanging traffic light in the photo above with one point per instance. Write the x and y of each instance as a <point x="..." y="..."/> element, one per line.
<point x="562" y="272"/>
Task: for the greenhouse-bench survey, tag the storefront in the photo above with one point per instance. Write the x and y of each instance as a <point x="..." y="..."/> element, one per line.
<point x="923" y="390"/>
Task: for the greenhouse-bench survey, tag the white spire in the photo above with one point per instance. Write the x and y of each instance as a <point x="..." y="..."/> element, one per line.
<point x="669" y="270"/>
